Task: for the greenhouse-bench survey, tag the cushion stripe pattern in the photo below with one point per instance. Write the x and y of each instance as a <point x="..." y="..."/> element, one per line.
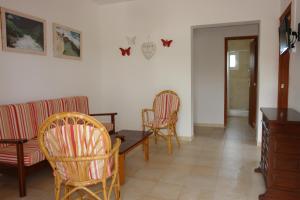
<point x="32" y="153"/>
<point x="17" y="122"/>
<point x="77" y="141"/>
<point x="22" y="121"/>
<point x="164" y="105"/>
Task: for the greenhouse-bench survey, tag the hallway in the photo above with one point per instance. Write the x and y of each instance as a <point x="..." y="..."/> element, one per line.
<point x="217" y="165"/>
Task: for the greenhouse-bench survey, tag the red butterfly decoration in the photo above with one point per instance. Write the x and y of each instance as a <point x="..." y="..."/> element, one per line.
<point x="125" y="51"/>
<point x="166" y="43"/>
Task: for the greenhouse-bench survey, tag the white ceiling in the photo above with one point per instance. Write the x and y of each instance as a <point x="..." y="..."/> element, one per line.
<point x="101" y="2"/>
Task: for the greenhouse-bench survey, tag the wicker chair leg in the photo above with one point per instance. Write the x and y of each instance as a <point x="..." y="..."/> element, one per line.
<point x="104" y="191"/>
<point x="117" y="189"/>
<point x="177" y="139"/>
<point x="57" y="189"/>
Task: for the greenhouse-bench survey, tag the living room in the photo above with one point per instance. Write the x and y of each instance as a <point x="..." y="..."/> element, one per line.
<point x="127" y="82"/>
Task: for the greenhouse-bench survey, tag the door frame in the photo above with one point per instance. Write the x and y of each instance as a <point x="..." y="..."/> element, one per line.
<point x="255" y="37"/>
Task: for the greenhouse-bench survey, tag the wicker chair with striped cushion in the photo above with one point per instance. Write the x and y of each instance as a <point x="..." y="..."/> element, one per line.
<point x="162" y="118"/>
<point x="78" y="148"/>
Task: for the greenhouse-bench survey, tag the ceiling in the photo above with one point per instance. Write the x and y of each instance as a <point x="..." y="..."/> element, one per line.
<point x="110" y="1"/>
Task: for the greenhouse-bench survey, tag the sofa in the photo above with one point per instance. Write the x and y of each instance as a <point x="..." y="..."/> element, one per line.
<point x="19" y="125"/>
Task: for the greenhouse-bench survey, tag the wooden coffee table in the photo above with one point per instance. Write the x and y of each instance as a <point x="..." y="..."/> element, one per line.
<point x="132" y="139"/>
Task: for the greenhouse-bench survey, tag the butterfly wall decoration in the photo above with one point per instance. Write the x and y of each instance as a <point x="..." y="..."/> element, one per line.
<point x="125" y="52"/>
<point x="166" y="43"/>
<point x="131" y="40"/>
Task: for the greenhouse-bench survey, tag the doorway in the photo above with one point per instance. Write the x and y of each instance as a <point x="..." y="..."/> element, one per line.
<point x="241" y="68"/>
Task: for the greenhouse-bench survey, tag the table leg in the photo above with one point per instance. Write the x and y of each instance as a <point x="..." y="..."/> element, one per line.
<point x="146" y="149"/>
<point x="122" y="168"/>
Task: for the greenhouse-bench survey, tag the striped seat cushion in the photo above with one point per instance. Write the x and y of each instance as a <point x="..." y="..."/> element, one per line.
<point x="78" y="141"/>
<point x="164" y="105"/>
<point x="32" y="153"/>
<point x="157" y="123"/>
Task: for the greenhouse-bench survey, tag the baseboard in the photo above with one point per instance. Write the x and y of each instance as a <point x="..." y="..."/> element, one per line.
<point x="186" y="138"/>
<point x="181" y="138"/>
<point x="209" y="125"/>
<point x="238" y="113"/>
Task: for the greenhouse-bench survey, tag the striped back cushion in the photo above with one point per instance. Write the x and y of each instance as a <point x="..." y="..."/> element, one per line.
<point x="17" y="121"/>
<point x="78" y="141"/>
<point x="164" y="104"/>
<point x="23" y="120"/>
<point x="45" y="108"/>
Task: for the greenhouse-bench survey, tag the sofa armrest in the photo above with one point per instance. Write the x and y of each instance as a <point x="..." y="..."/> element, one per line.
<point x="112" y="119"/>
<point x="103" y="114"/>
<point x="13" y="141"/>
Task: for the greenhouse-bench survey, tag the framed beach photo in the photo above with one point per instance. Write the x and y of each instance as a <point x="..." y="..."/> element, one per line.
<point x="23" y="33"/>
<point x="67" y="42"/>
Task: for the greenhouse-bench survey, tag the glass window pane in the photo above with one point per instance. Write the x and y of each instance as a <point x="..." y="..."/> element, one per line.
<point x="232" y="61"/>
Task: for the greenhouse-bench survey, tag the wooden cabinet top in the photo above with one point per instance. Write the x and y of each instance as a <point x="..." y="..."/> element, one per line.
<point x="282" y="116"/>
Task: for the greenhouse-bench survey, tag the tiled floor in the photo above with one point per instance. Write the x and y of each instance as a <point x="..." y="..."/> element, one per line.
<point x="217" y="165"/>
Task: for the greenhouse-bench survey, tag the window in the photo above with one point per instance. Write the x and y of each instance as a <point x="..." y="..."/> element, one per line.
<point x="233" y="60"/>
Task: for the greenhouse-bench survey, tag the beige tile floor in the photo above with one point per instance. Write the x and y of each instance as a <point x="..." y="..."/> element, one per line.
<point x="217" y="165"/>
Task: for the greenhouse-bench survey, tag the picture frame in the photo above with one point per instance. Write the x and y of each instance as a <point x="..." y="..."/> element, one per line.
<point x="23" y="33"/>
<point x="67" y="42"/>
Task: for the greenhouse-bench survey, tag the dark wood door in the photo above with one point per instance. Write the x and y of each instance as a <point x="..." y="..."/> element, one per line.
<point x="253" y="83"/>
<point x="283" y="80"/>
<point x="284" y="65"/>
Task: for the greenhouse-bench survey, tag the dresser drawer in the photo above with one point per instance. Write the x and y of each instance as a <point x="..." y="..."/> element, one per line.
<point x="285" y="180"/>
<point x="286" y="145"/>
<point x="284" y="162"/>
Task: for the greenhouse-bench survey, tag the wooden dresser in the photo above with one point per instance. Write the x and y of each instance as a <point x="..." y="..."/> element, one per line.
<point x="280" y="154"/>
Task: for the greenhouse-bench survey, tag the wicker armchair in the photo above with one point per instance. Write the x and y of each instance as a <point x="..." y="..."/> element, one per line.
<point x="78" y="148"/>
<point x="162" y="118"/>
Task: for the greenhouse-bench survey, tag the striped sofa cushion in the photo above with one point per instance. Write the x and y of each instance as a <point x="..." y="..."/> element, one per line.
<point x="164" y="105"/>
<point x="78" y="141"/>
<point x="22" y="121"/>
<point x="32" y="153"/>
<point x="17" y="122"/>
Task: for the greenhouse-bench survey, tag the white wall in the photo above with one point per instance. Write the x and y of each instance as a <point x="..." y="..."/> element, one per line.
<point x="294" y="84"/>
<point x="26" y="77"/>
<point x="125" y="85"/>
<point x="136" y="80"/>
<point x="208" y="76"/>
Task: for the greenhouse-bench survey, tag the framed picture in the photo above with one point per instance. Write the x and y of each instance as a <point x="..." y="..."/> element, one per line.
<point x="67" y="42"/>
<point x="23" y="33"/>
